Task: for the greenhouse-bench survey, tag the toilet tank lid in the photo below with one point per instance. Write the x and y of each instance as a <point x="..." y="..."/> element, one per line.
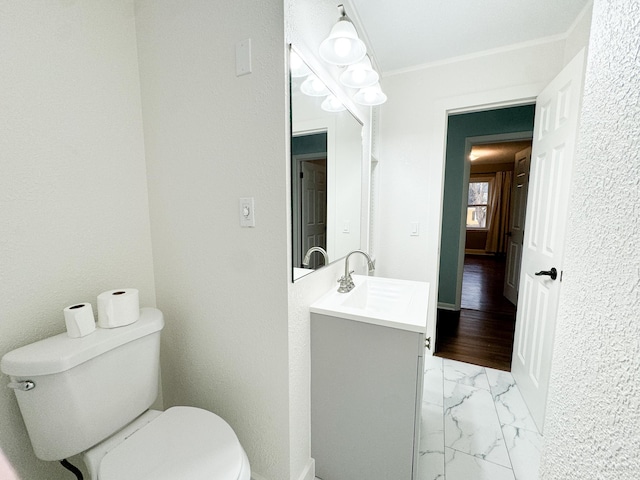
<point x="60" y="353"/>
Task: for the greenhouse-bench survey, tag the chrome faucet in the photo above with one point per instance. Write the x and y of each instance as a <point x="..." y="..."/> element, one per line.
<point x="307" y="257"/>
<point x="346" y="282"/>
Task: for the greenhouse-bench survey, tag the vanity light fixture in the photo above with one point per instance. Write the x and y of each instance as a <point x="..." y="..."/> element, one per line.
<point x="314" y="87"/>
<point x="342" y="46"/>
<point x="332" y="104"/>
<point x="345" y="49"/>
<point x="360" y="74"/>
<point x="370" y="96"/>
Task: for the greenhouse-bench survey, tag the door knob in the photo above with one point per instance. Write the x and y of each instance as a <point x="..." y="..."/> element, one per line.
<point x="553" y="273"/>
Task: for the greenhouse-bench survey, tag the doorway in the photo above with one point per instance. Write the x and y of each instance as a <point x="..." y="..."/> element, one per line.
<point x="475" y="322"/>
<point x="482" y="331"/>
<point x="309" y="195"/>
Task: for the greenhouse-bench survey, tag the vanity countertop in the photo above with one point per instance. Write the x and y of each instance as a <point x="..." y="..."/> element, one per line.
<point x="387" y="302"/>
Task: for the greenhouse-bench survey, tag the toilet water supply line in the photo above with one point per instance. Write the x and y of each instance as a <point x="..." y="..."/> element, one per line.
<point x="72" y="468"/>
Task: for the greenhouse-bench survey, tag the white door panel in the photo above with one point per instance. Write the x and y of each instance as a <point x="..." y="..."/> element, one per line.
<point x="553" y="148"/>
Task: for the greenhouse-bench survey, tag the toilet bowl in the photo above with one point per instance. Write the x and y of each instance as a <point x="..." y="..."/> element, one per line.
<point x="98" y="389"/>
<point x="180" y="443"/>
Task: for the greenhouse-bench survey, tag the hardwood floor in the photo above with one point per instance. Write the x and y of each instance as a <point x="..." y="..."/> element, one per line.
<point x="482" y="331"/>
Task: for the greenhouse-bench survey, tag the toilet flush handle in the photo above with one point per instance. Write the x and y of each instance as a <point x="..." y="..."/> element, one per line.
<point x="25" y="385"/>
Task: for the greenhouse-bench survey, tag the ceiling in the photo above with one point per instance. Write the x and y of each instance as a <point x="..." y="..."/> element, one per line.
<point x="407" y="33"/>
<point x="495" y="153"/>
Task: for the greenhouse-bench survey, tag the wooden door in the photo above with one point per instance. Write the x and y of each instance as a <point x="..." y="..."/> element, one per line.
<point x="518" y="216"/>
<point x="314" y="208"/>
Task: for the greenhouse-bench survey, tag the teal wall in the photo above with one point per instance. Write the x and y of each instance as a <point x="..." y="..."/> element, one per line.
<point x="460" y="127"/>
<point x="312" y="143"/>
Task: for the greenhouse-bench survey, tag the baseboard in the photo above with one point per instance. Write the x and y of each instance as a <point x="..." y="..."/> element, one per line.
<point x="447" y="306"/>
<point x="309" y="473"/>
<point x="475" y="251"/>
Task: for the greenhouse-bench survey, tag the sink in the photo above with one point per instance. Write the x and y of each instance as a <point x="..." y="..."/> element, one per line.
<point x="382" y="301"/>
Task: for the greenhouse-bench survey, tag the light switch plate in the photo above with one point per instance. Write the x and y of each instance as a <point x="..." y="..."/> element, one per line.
<point x="247" y="213"/>
<point x="243" y="57"/>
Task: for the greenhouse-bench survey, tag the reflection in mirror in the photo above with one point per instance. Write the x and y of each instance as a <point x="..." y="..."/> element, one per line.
<point x="326" y="172"/>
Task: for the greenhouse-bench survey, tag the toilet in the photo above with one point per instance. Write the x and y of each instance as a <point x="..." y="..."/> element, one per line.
<point x="92" y="396"/>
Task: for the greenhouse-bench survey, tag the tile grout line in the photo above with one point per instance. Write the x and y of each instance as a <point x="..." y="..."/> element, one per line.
<point x="480" y="458"/>
<point x="497" y="417"/>
<point x="500" y="423"/>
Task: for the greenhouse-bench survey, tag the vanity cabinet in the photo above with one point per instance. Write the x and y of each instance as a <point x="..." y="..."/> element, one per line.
<point x="366" y="395"/>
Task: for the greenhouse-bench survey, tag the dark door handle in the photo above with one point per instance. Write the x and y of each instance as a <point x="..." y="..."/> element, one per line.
<point x="553" y="273"/>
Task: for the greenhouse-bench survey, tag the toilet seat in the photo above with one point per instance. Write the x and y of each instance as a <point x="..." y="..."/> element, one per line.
<point x="183" y="442"/>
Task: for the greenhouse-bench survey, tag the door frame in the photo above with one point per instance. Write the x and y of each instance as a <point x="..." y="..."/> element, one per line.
<point x="508" y="97"/>
<point x="297" y="198"/>
<point x="469" y="143"/>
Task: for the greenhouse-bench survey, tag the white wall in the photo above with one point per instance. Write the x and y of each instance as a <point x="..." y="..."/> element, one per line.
<point x="212" y="137"/>
<point x="578" y="35"/>
<point x="592" y="426"/>
<point x="73" y="195"/>
<point x="344" y="169"/>
<point x="411" y="146"/>
<point x="236" y="340"/>
<point x="347" y="179"/>
<point x="307" y="23"/>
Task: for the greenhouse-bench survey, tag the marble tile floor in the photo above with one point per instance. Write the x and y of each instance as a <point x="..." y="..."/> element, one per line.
<point x="475" y="425"/>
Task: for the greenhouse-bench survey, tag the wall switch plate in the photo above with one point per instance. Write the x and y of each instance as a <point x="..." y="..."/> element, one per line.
<point x="243" y="57"/>
<point x="414" y="229"/>
<point x="247" y="214"/>
<point x="346" y="227"/>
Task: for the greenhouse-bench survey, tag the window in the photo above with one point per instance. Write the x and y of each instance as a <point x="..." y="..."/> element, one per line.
<point x="477" y="203"/>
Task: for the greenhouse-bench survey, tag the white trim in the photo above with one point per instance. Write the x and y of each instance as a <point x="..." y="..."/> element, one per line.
<point x="311" y="127"/>
<point x="469" y="142"/>
<point x="503" y="137"/>
<point x="586" y="9"/>
<point x="447" y="306"/>
<point x="309" y="473"/>
<point x="493" y="106"/>
<point x="354" y="16"/>
<point x="477" y="251"/>
<point x="508" y="97"/>
<point x="462" y="237"/>
<point x="483" y="53"/>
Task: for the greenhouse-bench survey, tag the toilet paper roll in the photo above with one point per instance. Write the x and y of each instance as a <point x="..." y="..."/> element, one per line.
<point x="79" y="320"/>
<point x="117" y="308"/>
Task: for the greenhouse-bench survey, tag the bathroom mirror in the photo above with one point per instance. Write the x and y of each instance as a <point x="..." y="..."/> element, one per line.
<point x="326" y="171"/>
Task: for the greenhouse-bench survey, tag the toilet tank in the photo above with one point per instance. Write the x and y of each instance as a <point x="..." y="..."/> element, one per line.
<point x="86" y="388"/>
